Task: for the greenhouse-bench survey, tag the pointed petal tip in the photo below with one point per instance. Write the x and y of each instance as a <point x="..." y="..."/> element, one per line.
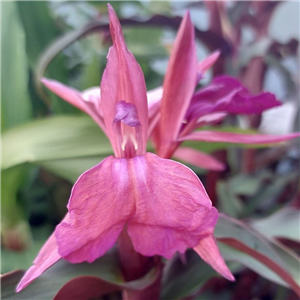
<point x="111" y="13"/>
<point x="110" y="8"/>
<point x="187" y="14"/>
<point x="22" y="285"/>
<point x="187" y="18"/>
<point x="19" y="288"/>
<point x="45" y="80"/>
<point x="215" y="54"/>
<point x="208" y="250"/>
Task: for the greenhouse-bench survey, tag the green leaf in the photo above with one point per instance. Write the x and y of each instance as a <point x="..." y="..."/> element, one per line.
<point x="290" y="259"/>
<point x="11" y="180"/>
<point x="47" y="285"/>
<point x="230" y="228"/>
<point x="283" y="223"/>
<point x="15" y="231"/>
<point x="181" y="278"/>
<point x="38" y="37"/>
<point x="12" y="260"/>
<point x="106" y="268"/>
<point x="246" y="184"/>
<point x="70" y="169"/>
<point x="54" y="138"/>
<point x="16" y="106"/>
<point x="229" y="202"/>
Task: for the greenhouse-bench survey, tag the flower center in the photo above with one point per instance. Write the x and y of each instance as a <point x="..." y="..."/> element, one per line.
<point x="128" y="130"/>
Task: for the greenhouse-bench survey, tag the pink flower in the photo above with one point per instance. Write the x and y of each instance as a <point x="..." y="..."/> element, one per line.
<point x="175" y="110"/>
<point x="181" y="111"/>
<point x="162" y="203"/>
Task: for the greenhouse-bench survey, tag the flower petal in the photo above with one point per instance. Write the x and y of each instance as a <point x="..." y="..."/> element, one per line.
<point x="209" y="252"/>
<point x="99" y="206"/>
<point x="226" y="94"/>
<point x="179" y="85"/>
<point x="47" y="256"/>
<point x="154" y="96"/>
<point x="83" y="101"/>
<point x="172" y="207"/>
<point x="206" y="63"/>
<point x="92" y="95"/>
<point x="127" y="113"/>
<point x="65" y="92"/>
<point x="198" y="159"/>
<point x="122" y="79"/>
<point x="228" y="137"/>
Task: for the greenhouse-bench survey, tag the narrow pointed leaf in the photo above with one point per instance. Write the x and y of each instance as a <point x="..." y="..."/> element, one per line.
<point x="53" y="138"/>
<point x="16" y="107"/>
<point x="283" y="223"/>
<point x="250" y="248"/>
<point x="271" y="264"/>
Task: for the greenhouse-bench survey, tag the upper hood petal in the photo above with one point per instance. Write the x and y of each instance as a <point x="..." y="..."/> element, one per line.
<point x="122" y="80"/>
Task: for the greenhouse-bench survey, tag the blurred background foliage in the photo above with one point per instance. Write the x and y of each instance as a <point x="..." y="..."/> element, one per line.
<point x="47" y="143"/>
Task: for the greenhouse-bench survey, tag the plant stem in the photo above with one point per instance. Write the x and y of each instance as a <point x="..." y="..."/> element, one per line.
<point x="134" y="266"/>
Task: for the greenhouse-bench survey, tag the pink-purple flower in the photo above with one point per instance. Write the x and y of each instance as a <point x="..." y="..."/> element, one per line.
<point x="161" y="203"/>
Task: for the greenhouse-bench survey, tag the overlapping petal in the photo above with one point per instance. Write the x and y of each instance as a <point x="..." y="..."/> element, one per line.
<point x="226" y="94"/>
<point x="47" y="257"/>
<point x="208" y="250"/>
<point x="99" y="206"/>
<point x="198" y="159"/>
<point x="172" y="207"/>
<point x="163" y="203"/>
<point x="87" y="101"/>
<point x="179" y="86"/>
<point x="205" y="64"/>
<point x="237" y="138"/>
<point x="122" y="80"/>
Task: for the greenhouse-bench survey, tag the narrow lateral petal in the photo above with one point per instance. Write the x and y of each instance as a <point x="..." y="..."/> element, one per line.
<point x="179" y="85"/>
<point x="228" y="137"/>
<point x="207" y="63"/>
<point x="47" y="257"/>
<point x="65" y="92"/>
<point x="122" y="80"/>
<point x="208" y="250"/>
<point x="92" y="95"/>
<point x="84" y="101"/>
<point x="99" y="206"/>
<point x="226" y="94"/>
<point x="198" y="159"/>
<point x="172" y="207"/>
